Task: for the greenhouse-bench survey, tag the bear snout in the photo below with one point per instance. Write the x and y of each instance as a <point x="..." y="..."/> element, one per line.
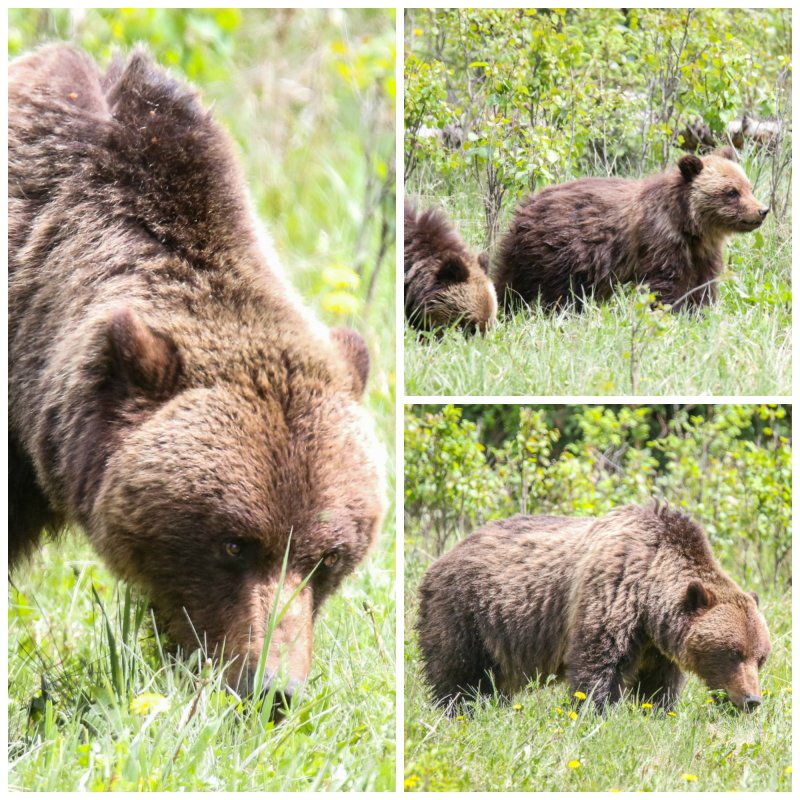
<point x="743" y="688"/>
<point x="751" y="702"/>
<point x="284" y="652"/>
<point x="762" y="212"/>
<point x="285" y="691"/>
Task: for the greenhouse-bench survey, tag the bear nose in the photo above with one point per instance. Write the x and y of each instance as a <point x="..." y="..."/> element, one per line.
<point x="751" y="702"/>
<point x="762" y="212"/>
<point x="285" y="692"/>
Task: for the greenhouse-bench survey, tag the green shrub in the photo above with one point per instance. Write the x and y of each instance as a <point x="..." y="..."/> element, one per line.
<point x="730" y="468"/>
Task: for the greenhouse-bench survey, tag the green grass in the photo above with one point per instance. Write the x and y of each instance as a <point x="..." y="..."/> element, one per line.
<point x="76" y="664"/>
<point x="313" y="136"/>
<point x="528" y="744"/>
<point x="741" y="346"/>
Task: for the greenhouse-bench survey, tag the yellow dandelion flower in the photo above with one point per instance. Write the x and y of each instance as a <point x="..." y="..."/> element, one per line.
<point x="574" y="764"/>
<point x="787" y="771"/>
<point x="709" y="701"/>
<point x="341" y="277"/>
<point x="558" y="710"/>
<point x="647" y="705"/>
<point x="341" y="303"/>
<point x="517" y="707"/>
<point x="460" y="717"/>
<point x="579" y="695"/>
<point x="687" y="776"/>
<point x="573" y="715"/>
<point x="411" y="781"/>
<point x="671" y="714"/>
<point x="148" y="703"/>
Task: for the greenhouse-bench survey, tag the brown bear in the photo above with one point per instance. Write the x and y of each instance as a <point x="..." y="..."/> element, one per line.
<point x="582" y="238"/>
<point x="445" y="284"/>
<point x="631" y="600"/>
<point x="168" y="391"/>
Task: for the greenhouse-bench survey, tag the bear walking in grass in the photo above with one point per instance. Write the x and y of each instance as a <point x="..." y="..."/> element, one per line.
<point x="631" y="600"/>
<point x="445" y="284"/>
<point x="168" y="391"/>
<point x="582" y="238"/>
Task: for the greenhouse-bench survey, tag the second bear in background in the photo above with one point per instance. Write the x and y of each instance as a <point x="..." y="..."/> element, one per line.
<point x="445" y="284"/>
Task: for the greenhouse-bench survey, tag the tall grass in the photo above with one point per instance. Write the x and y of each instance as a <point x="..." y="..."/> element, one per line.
<point x="94" y="702"/>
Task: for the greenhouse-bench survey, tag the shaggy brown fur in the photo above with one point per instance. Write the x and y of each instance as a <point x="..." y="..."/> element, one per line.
<point x="444" y="282"/>
<point x="632" y="599"/>
<point x="581" y="238"/>
<point x="167" y="390"/>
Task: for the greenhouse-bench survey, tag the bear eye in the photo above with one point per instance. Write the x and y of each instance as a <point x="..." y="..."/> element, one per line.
<point x="330" y="559"/>
<point x="233" y="549"/>
<point x="732" y="193"/>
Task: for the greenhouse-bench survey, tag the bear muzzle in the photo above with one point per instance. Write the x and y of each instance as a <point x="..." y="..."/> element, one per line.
<point x="743" y="688"/>
<point x="751" y="702"/>
<point x="287" y="662"/>
<point x="753" y="220"/>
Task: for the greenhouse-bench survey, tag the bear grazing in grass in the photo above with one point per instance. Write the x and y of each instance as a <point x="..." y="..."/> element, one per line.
<point x="168" y="392"/>
<point x="669" y="230"/>
<point x="630" y="600"/>
<point x="444" y="282"/>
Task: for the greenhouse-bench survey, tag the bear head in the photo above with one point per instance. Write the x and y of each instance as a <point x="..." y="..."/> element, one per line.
<point x="456" y="289"/>
<point x="239" y="502"/>
<point x="720" y="195"/>
<point x="462" y="294"/>
<point x="727" y="642"/>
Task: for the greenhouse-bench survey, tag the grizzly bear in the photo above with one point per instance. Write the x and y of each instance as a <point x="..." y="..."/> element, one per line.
<point x="631" y="600"/>
<point x="168" y="391"/>
<point x="445" y="284"/>
<point x="582" y="238"/>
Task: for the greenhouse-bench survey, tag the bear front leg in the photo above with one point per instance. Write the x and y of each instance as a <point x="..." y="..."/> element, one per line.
<point x="681" y="285"/>
<point x="602" y="683"/>
<point x="29" y="513"/>
<point x="660" y="681"/>
<point x="603" y="654"/>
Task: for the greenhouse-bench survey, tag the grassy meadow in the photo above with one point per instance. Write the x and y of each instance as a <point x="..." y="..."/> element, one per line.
<point x="740" y="346"/>
<point x="94" y="704"/>
<point x="544" y="740"/>
<point x="727" y="466"/>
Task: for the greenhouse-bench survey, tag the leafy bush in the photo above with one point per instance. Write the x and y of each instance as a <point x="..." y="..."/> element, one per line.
<point x="730" y="469"/>
<point x="538" y="96"/>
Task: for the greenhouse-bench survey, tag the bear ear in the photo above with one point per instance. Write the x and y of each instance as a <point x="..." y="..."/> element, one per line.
<point x="354" y="349"/>
<point x="453" y="270"/>
<point x="754" y="596"/>
<point x="690" y="167"/>
<point x="727" y="152"/>
<point x="143" y="360"/>
<point x="483" y="262"/>
<point x="698" y="597"/>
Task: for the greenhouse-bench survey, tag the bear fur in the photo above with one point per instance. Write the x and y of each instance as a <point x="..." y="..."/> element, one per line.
<point x="444" y="282"/>
<point x="584" y="237"/>
<point x="168" y="391"/>
<point x="631" y="600"/>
